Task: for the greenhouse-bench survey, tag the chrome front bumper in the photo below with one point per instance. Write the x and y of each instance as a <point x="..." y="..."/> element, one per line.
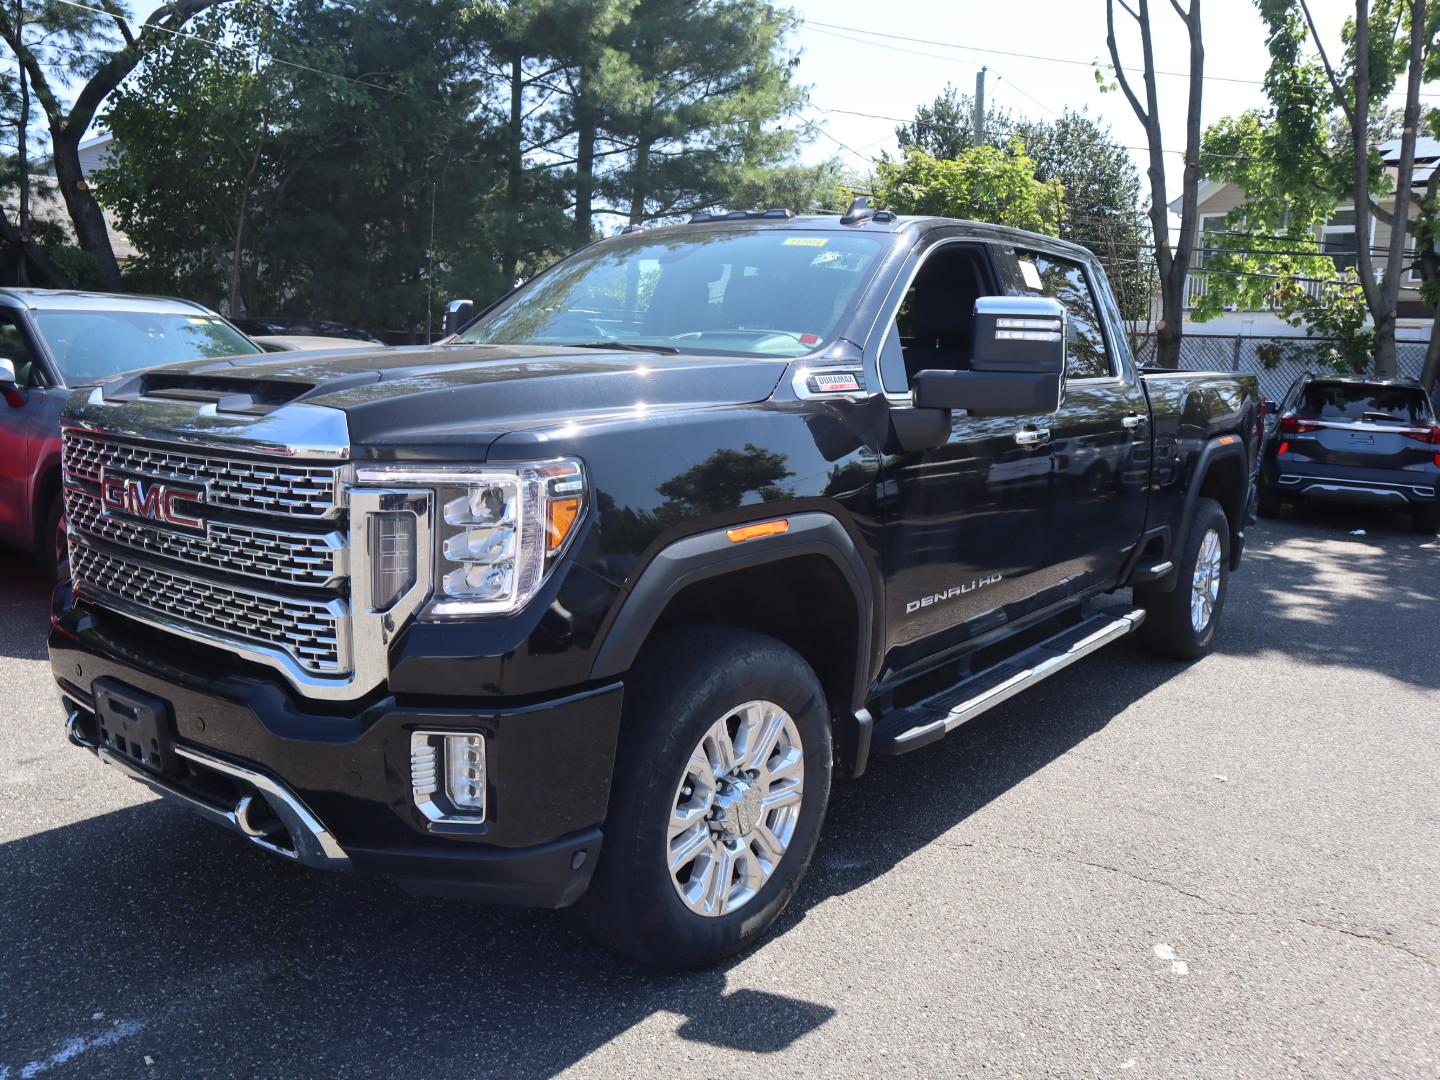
<point x="290" y="831"/>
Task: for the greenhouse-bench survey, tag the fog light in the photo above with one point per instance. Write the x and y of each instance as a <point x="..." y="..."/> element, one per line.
<point x="447" y="775"/>
<point x="465" y="771"/>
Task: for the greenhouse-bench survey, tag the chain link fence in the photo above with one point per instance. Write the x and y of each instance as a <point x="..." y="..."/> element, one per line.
<point x="1240" y="352"/>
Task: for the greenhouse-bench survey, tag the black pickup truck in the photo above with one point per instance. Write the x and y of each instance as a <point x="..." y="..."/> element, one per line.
<point x="592" y="600"/>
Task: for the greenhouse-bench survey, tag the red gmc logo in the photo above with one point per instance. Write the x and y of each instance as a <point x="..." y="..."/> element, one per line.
<point x="156" y="502"/>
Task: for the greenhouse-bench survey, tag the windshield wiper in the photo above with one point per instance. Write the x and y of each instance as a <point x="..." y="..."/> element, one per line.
<point x="624" y="346"/>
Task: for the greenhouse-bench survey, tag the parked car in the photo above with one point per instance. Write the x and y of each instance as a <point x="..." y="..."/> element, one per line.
<point x="274" y="343"/>
<point x="1355" y="440"/>
<point x="52" y="341"/>
<point x="590" y="605"/>
<point x="285" y="325"/>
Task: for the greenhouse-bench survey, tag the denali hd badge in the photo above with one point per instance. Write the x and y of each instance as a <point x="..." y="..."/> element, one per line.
<point x="156" y="501"/>
<point x="949" y="594"/>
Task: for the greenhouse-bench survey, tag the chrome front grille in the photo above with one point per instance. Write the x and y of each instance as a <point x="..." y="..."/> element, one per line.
<point x="275" y="555"/>
<point x="233" y="483"/>
<point x="308" y="631"/>
<point x="263" y="570"/>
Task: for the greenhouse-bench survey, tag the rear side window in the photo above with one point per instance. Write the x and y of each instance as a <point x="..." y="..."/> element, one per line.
<point x="1064" y="280"/>
<point x="1358" y="401"/>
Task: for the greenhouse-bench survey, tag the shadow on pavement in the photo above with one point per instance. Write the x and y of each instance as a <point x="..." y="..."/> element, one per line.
<point x="24" y="606"/>
<point x="153" y="917"/>
<point x="1334" y="611"/>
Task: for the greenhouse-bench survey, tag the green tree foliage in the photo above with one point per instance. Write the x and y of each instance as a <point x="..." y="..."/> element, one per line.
<point x="1102" y="200"/>
<point x="90" y="48"/>
<point x="945" y="128"/>
<point x="295" y="169"/>
<point x="1296" y="161"/>
<point x="986" y="183"/>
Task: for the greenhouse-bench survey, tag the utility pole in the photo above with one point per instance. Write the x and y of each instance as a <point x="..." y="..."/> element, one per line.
<point x="977" y="126"/>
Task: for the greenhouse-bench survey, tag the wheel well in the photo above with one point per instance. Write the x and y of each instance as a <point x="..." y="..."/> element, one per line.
<point x="803" y="601"/>
<point x="1225" y="483"/>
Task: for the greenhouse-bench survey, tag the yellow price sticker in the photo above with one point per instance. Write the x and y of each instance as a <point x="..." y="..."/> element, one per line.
<point x="803" y="241"/>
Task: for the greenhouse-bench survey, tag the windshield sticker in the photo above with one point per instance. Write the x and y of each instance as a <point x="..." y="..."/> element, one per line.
<point x="1031" y="275"/>
<point x="802" y="241"/>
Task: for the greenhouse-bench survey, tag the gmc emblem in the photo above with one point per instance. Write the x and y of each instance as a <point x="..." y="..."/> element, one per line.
<point x="156" y="502"/>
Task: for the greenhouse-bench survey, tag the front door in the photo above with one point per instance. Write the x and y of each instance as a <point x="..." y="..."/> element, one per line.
<point x="20" y="429"/>
<point x="966" y="525"/>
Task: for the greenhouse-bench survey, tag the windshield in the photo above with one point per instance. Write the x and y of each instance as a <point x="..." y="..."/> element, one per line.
<point x="1358" y="401"/>
<point x="93" y="345"/>
<point x="736" y="291"/>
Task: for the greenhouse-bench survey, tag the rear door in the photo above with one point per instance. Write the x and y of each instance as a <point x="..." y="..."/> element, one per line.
<point x="1100" y="437"/>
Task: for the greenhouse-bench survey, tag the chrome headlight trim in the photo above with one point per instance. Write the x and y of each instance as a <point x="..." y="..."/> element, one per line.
<point x="519" y="560"/>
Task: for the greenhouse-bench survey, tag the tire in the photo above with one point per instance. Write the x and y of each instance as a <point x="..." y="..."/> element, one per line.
<point x="1268" y="502"/>
<point x="51" y="548"/>
<point x="1181" y="623"/>
<point x="1425" y="519"/>
<point x="678" y="822"/>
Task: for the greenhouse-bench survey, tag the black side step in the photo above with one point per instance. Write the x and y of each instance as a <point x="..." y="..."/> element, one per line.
<point x="923" y="723"/>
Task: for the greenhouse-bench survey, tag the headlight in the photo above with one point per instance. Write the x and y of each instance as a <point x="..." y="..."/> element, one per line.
<point x="497" y="529"/>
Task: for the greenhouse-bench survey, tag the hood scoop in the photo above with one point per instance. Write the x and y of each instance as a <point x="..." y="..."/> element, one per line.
<point x="247" y="397"/>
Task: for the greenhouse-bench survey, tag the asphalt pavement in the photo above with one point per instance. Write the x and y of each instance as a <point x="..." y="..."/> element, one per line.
<point x="1139" y="868"/>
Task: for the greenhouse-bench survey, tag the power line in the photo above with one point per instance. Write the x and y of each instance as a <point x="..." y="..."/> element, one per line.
<point x="1017" y="55"/>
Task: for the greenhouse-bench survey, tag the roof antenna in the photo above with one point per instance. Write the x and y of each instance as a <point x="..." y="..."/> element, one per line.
<point x="861" y="211"/>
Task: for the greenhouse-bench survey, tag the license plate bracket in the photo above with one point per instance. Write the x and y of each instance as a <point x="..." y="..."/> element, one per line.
<point x="135" y="725"/>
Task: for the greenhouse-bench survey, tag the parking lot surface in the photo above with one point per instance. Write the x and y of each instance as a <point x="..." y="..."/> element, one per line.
<point x="1137" y="869"/>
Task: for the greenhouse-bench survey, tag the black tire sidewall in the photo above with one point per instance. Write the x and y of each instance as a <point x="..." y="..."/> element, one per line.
<point x="47" y="550"/>
<point x="1167" y="629"/>
<point x="666" y="718"/>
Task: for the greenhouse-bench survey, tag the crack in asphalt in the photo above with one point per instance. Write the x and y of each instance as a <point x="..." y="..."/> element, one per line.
<point x="1071" y="857"/>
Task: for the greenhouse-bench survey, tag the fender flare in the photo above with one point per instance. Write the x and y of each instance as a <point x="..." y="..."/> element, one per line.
<point x="1217" y="450"/>
<point x="711" y="554"/>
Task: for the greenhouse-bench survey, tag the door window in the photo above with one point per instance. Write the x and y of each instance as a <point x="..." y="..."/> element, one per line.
<point x="14" y="349"/>
<point x="1065" y="280"/>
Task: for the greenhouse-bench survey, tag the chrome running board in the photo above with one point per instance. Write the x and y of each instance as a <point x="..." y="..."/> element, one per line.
<point x="931" y="719"/>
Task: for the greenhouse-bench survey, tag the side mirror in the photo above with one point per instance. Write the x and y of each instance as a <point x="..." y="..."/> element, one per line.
<point x="457" y="314"/>
<point x="1017" y="364"/>
<point x="10" y="385"/>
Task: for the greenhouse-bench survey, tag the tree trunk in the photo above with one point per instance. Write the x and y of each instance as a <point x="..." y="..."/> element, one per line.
<point x="91" y="232"/>
<point x="584" y="158"/>
<point x="53" y="277"/>
<point x="514" y="170"/>
<point x="640" y="186"/>
<point x="22" y="160"/>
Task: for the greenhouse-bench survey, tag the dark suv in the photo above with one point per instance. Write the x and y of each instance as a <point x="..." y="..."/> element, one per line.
<point x="1356" y="441"/>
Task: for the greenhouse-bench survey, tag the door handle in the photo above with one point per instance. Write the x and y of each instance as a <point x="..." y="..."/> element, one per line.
<point x="1032" y="436"/>
<point x="1134" y="420"/>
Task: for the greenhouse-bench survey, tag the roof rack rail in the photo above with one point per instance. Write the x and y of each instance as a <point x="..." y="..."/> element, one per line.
<point x="861" y="211"/>
<point x="743" y="215"/>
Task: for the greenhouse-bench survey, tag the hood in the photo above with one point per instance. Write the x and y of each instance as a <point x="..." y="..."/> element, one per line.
<point x="452" y="398"/>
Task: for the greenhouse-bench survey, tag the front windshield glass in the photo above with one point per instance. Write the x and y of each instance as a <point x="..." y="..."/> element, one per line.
<point x="92" y="345"/>
<point x="735" y="291"/>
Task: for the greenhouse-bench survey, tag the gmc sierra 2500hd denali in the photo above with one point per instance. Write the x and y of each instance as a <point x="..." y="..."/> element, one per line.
<point x="590" y="601"/>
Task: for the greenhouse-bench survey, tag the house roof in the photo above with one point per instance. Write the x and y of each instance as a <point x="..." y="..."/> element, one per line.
<point x="1206" y="189"/>
<point x="1426" y="149"/>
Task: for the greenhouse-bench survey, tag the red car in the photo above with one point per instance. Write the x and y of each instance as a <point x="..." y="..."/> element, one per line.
<point x="51" y="342"/>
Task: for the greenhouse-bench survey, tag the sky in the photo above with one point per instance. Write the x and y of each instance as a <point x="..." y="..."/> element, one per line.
<point x="852" y="70"/>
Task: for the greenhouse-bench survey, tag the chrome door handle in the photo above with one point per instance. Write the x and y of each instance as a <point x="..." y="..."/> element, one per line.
<point x="1134" y="420"/>
<point x="1032" y="436"/>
